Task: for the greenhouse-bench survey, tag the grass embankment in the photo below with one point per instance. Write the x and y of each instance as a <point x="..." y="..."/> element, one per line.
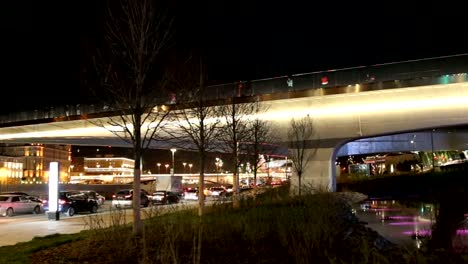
<point x="272" y="228"/>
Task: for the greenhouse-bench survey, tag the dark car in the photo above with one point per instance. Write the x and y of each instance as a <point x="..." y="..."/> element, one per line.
<point x="164" y="197"/>
<point x="71" y="202"/>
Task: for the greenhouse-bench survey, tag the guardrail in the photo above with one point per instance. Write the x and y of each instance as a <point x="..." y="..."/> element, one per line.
<point x="440" y="70"/>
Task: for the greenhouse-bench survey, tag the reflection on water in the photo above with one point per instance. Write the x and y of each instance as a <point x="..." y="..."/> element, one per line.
<point x="403" y="225"/>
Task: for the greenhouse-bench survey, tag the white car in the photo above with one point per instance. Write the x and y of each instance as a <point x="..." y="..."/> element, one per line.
<point x="191" y="194"/>
<point x="11" y="204"/>
<point x="94" y="195"/>
<point x="100" y="199"/>
<point x="217" y="191"/>
<point x="124" y="198"/>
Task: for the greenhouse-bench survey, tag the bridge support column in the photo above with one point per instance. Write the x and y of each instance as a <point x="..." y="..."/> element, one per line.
<point x="319" y="173"/>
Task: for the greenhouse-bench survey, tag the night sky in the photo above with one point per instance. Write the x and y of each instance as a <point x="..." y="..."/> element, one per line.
<point x="45" y="47"/>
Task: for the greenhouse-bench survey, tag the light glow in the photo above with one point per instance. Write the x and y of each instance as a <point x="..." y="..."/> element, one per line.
<point x="426" y="99"/>
<point x="389" y="101"/>
<point x="53" y="186"/>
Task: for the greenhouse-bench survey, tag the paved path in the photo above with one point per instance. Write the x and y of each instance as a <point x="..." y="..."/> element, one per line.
<point x="24" y="228"/>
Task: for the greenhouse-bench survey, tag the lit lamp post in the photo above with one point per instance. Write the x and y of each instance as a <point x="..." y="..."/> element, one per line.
<point x="432" y="150"/>
<point x="167" y="166"/>
<point x="184" y="163"/>
<point x="217" y="170"/>
<point x="159" y="167"/>
<point x="173" y="150"/>
<point x="190" y="167"/>
<point x="218" y="164"/>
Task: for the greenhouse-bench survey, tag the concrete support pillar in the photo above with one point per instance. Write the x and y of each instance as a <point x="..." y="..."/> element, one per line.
<point x="319" y="174"/>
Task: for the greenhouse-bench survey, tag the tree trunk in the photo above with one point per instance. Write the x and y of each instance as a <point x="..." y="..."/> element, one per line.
<point x="235" y="185"/>
<point x="137" y="224"/>
<point x="255" y="177"/>
<point x="201" y="185"/>
<point x="299" y="176"/>
<point x="448" y="220"/>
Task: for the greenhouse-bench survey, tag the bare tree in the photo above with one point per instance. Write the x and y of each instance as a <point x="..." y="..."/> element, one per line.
<point x="236" y="115"/>
<point x="197" y="125"/>
<point x="132" y="80"/>
<point x="299" y="135"/>
<point x="258" y="140"/>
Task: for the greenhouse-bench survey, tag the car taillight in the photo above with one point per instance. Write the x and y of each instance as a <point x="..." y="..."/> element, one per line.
<point x="128" y="197"/>
<point x="113" y="196"/>
<point x="62" y="201"/>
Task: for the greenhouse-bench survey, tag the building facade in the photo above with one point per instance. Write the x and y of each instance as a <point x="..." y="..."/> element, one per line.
<point x="36" y="159"/>
<point x="107" y="169"/>
<point x="11" y="170"/>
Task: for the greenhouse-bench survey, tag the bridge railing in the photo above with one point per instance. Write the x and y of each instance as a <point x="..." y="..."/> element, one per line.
<point x="439" y="70"/>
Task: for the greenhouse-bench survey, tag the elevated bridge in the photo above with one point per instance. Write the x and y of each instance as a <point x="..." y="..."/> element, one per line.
<point x="345" y="105"/>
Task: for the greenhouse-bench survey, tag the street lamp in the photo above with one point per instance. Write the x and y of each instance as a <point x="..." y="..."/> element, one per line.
<point x="432" y="149"/>
<point x="167" y="166"/>
<point x="218" y="164"/>
<point x="190" y="167"/>
<point x="159" y="167"/>
<point x="184" y="163"/>
<point x="173" y="150"/>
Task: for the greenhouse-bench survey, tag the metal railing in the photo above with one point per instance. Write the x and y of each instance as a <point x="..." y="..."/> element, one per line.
<point x="439" y="70"/>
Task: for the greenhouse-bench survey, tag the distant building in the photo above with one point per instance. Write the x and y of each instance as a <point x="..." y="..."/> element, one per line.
<point x="106" y="169"/>
<point x="36" y="159"/>
<point x="11" y="170"/>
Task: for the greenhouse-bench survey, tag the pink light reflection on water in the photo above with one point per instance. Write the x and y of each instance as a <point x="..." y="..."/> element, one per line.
<point x="460" y="232"/>
<point x="400" y="217"/>
<point x="420" y="232"/>
<point x="408" y="223"/>
<point x="384" y="210"/>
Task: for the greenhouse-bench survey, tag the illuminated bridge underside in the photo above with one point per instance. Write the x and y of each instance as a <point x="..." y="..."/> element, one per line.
<point x="337" y="119"/>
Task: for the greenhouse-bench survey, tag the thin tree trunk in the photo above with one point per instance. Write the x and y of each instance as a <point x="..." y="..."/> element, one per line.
<point x="137" y="224"/>
<point x="255" y="178"/>
<point x="299" y="175"/>
<point x="201" y="185"/>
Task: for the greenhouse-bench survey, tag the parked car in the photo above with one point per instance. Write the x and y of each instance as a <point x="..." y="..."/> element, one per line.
<point x="100" y="198"/>
<point x="71" y="202"/>
<point x="124" y="198"/>
<point x="93" y="194"/>
<point x="190" y="194"/>
<point x="30" y="197"/>
<point x="217" y="191"/>
<point x="164" y="197"/>
<point x="11" y="204"/>
<point x="14" y="192"/>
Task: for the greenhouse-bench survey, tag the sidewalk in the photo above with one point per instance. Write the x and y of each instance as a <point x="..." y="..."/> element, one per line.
<point x="23" y="229"/>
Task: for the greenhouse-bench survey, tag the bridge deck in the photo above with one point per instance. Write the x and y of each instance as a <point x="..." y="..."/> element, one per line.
<point x="440" y="70"/>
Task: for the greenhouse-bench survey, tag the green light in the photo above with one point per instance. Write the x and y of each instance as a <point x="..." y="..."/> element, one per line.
<point x="444" y="79"/>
